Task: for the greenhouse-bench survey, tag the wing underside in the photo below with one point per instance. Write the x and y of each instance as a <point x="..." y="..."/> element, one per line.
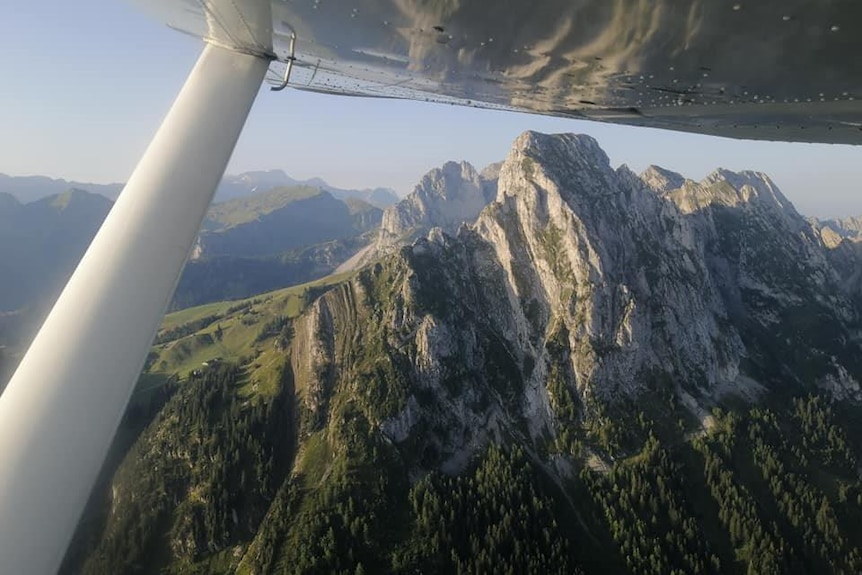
<point x="772" y="69"/>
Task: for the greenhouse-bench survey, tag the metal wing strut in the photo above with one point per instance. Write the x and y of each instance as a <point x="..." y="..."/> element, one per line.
<point x="61" y="409"/>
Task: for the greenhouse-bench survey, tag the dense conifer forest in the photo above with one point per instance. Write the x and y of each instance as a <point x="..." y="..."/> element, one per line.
<point x="208" y="488"/>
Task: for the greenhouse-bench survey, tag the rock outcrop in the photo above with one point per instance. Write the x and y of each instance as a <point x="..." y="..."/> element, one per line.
<point x="446" y="197"/>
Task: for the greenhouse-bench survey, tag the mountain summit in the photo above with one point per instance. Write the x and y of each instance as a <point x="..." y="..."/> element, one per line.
<point x="673" y="284"/>
<point x="446" y="197"/>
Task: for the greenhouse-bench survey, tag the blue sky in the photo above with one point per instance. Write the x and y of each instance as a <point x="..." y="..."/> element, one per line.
<point x="85" y="85"/>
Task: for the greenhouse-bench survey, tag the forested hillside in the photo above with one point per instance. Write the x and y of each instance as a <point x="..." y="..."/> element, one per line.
<point x="758" y="493"/>
<point x="250" y="468"/>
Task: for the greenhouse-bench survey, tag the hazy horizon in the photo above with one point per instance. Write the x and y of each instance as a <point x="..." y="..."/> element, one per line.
<point x="402" y="192"/>
<point x="90" y="119"/>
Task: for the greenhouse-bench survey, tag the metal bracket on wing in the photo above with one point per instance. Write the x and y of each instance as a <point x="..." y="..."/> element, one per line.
<point x="290" y="60"/>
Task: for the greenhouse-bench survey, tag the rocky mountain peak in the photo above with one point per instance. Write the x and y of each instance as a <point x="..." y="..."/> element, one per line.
<point x="747" y="186"/>
<point x="662" y="180"/>
<point x="490" y="175"/>
<point x="558" y="158"/>
<point x="840" y="228"/>
<point x="491" y="171"/>
<point x="746" y="190"/>
<point x="632" y="276"/>
<point x="445" y="197"/>
<point x="566" y="147"/>
<point x="588" y="253"/>
<point x="448" y="182"/>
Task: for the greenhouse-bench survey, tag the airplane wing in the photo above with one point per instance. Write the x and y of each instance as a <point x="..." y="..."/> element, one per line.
<point x="771" y="69"/>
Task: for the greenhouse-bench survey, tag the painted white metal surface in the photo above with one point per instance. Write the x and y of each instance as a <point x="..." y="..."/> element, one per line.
<point x="61" y="409"/>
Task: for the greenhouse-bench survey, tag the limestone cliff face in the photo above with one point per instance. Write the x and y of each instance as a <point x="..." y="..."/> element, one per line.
<point x="593" y="252"/>
<point x="844" y="242"/>
<point x="582" y="284"/>
<point x="446" y="197"/>
<point x="691" y="281"/>
<point x="849" y="228"/>
<point x="662" y="180"/>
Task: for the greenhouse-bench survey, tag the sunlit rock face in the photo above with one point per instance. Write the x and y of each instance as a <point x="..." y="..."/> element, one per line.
<point x="595" y="254"/>
<point x="580" y="284"/>
<point x="583" y="280"/>
<point x="661" y="275"/>
<point x="446" y="197"/>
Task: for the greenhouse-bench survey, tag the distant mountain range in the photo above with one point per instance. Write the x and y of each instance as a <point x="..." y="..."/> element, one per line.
<point x="275" y="239"/>
<point x="237" y="186"/>
<point x="42" y="241"/>
<point x="271" y="234"/>
<point x="262" y="239"/>
<point x="281" y="219"/>
<point x="255" y="243"/>
<point x="27" y="189"/>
